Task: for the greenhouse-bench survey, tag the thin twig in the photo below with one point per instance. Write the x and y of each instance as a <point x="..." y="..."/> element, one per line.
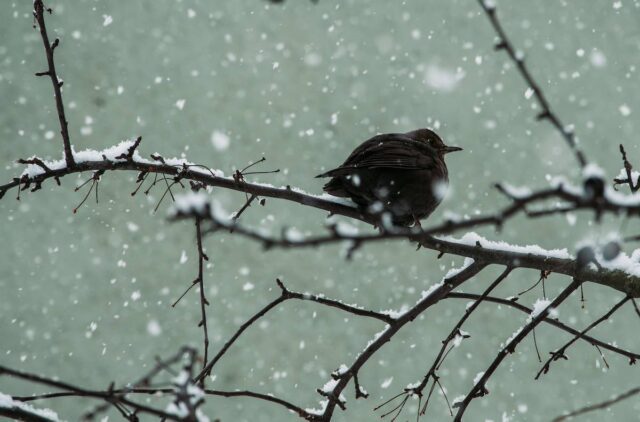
<point x="78" y="391"/>
<point x="203" y="299"/>
<point x="38" y="12"/>
<point x="634" y="186"/>
<point x="551" y="321"/>
<point x="286" y="294"/>
<point x="479" y="389"/>
<point x="518" y="59"/>
<point x="455" y="332"/>
<point x="598" y="406"/>
<point x="560" y="353"/>
<point x="447" y="285"/>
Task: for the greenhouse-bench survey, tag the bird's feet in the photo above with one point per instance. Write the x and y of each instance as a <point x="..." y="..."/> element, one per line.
<point x="418" y="225"/>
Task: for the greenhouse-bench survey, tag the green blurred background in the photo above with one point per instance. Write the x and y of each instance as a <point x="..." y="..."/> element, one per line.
<point x="86" y="297"/>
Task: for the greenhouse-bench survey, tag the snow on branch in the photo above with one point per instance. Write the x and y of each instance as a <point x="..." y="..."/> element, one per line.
<point x="18" y="410"/>
<point x="621" y="273"/>
<point x="609" y="267"/>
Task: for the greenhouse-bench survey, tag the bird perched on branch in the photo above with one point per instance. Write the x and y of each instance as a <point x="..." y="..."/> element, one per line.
<point x="403" y="174"/>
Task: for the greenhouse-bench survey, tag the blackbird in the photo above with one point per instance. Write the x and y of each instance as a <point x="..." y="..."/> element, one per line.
<point x="403" y="174"/>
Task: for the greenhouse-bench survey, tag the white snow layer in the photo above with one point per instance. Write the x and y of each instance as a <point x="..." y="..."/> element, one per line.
<point x="472" y="238"/>
<point x="7" y="402"/>
<point x="110" y="154"/>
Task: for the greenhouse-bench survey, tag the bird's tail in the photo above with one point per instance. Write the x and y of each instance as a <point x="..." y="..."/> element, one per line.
<point x="340" y="171"/>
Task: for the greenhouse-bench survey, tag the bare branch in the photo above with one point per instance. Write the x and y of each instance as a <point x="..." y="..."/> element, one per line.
<point x="598" y="406"/>
<point x="38" y="12"/>
<point x="159" y="391"/>
<point x="481" y="251"/>
<point x="107" y="396"/>
<point x="433" y="297"/>
<point x="285" y="295"/>
<point x="444" y="351"/>
<point x="560" y="353"/>
<point x="480" y="389"/>
<point x="266" y="397"/>
<point x="518" y="60"/>
<point x="551" y="321"/>
<point x="628" y="168"/>
<point x="203" y="299"/>
<point x="209" y="366"/>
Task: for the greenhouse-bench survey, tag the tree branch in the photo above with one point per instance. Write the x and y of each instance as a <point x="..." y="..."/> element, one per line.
<point x="429" y="298"/>
<point x="518" y="60"/>
<point x="456" y="332"/>
<point x="286" y="294"/>
<point x="551" y="321"/>
<point x="156" y="391"/>
<point x="203" y="299"/>
<point x="560" y="353"/>
<point x="471" y="246"/>
<point x="598" y="406"/>
<point x="107" y="396"/>
<point x="38" y="13"/>
<point x="479" y="389"/>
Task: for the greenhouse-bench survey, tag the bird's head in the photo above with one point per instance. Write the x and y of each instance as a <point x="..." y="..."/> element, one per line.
<point x="434" y="141"/>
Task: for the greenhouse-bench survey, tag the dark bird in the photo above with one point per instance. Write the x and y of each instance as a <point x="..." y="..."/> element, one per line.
<point x="403" y="174"/>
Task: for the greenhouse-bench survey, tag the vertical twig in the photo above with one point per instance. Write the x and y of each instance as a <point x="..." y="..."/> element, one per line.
<point x="38" y="12"/>
<point x="518" y="59"/>
<point x="203" y="299"/>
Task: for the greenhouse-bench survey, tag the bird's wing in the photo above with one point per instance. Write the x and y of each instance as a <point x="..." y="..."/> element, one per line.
<point x="392" y="151"/>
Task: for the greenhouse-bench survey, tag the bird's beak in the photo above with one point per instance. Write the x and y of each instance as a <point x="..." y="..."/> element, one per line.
<point x="447" y="150"/>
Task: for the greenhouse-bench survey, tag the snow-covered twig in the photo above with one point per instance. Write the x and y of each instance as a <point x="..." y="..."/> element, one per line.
<point x="203" y="299"/>
<point x="620" y="274"/>
<point x="627" y="175"/>
<point x="448" y="284"/>
<point x="551" y="321"/>
<point x="15" y="409"/>
<point x="455" y="335"/>
<point x="109" y="396"/>
<point x="479" y="388"/>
